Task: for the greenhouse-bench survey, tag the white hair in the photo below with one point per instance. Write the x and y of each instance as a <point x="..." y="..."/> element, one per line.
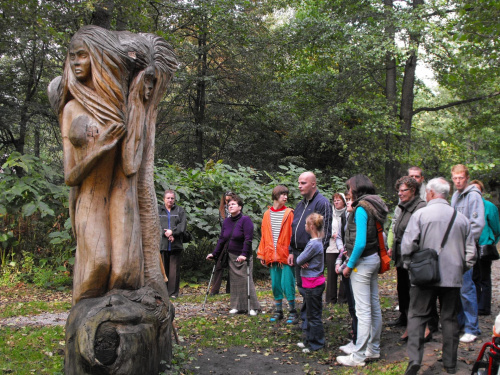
<point x="440" y="186"/>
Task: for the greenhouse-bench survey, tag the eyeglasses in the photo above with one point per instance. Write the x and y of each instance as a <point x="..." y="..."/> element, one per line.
<point x="404" y="190"/>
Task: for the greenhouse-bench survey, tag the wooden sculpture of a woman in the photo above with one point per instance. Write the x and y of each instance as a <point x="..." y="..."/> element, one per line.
<point x="107" y="102"/>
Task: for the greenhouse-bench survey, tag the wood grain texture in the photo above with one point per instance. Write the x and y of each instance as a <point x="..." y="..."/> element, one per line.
<point x="107" y="102"/>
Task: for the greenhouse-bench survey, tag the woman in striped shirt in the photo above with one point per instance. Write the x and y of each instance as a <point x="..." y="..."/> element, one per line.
<point x="273" y="252"/>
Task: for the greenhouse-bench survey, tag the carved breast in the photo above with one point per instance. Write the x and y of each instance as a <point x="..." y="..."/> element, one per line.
<point x="83" y="131"/>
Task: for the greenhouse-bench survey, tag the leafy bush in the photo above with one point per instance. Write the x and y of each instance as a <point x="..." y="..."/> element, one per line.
<point x="34" y="227"/>
<point x="35" y="231"/>
<point x="200" y="189"/>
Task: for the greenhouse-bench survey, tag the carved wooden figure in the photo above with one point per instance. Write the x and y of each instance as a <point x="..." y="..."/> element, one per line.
<point x="107" y="102"/>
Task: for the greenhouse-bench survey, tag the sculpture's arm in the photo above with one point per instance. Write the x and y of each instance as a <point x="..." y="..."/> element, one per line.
<point x="75" y="172"/>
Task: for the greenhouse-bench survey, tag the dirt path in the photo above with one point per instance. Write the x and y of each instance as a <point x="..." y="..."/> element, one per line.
<point x="245" y="361"/>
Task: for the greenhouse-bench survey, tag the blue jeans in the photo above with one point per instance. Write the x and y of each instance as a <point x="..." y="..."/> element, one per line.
<point x="364" y="283"/>
<point x="467" y="317"/>
<point x="315" y="334"/>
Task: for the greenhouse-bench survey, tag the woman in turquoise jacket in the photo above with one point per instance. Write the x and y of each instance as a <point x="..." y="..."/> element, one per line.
<point x="482" y="269"/>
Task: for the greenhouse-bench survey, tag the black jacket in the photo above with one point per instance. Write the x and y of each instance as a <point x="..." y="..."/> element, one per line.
<point x="177" y="225"/>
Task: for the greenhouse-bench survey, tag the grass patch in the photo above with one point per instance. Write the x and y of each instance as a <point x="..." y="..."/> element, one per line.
<point x="32" y="350"/>
<point x="386" y="303"/>
<point x="225" y="331"/>
<point x="374" y="368"/>
<point x="33" y="308"/>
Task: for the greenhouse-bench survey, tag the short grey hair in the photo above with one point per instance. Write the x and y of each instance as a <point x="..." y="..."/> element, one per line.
<point x="440" y="186"/>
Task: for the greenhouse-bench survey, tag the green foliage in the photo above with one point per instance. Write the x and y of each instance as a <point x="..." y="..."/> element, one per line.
<point x="260" y="85"/>
<point x="199" y="191"/>
<point x="180" y="355"/>
<point x="34" y="232"/>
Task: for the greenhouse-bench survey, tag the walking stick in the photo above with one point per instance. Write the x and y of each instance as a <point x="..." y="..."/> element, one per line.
<point x="176" y="336"/>
<point x="162" y="268"/>
<point x="248" y="283"/>
<point x="208" y="289"/>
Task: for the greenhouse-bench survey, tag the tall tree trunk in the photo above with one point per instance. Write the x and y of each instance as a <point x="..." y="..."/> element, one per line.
<point x="408" y="97"/>
<point x="200" y="100"/>
<point x="103" y="14"/>
<point x="23" y="126"/>
<point x="121" y="18"/>
<point x="407" y="91"/>
<point x="392" y="165"/>
<point x="37" y="141"/>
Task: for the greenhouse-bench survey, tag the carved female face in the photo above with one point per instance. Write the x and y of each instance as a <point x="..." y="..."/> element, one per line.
<point x="148" y="87"/>
<point x="79" y="58"/>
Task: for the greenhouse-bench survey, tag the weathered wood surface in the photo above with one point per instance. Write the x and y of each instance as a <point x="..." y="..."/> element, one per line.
<point x="123" y="332"/>
<point x="107" y="102"/>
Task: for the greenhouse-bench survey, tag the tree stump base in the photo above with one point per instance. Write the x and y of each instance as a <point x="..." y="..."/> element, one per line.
<point x="123" y="332"/>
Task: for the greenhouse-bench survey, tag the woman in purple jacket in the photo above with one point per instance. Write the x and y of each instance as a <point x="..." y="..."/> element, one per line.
<point x="238" y="230"/>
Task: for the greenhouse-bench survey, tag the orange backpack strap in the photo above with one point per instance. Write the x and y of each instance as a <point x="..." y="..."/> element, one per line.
<point x="385" y="260"/>
<point x="380" y="233"/>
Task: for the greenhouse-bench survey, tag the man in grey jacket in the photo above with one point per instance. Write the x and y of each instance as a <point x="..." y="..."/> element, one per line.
<point x="467" y="199"/>
<point x="426" y="229"/>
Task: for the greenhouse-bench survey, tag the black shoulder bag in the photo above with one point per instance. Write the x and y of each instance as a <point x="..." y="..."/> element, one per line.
<point x="224" y="254"/>
<point x="424" y="264"/>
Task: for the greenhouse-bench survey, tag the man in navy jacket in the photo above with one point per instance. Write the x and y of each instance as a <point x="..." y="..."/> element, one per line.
<point x="313" y="202"/>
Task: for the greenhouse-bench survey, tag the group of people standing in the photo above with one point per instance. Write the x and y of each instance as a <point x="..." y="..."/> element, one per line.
<point x="293" y="246"/>
<point x="297" y="244"/>
<point x="458" y="232"/>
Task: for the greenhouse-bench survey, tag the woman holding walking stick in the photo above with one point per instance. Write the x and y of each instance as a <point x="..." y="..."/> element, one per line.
<point x="237" y="234"/>
<point x="219" y="269"/>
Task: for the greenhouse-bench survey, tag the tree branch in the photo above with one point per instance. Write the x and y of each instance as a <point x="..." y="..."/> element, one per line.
<point x="453" y="104"/>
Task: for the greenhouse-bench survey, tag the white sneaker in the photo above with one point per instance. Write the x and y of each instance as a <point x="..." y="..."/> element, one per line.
<point x="233" y="311"/>
<point x="371" y="355"/>
<point x="348" y="348"/>
<point x="305" y="350"/>
<point x="301" y="345"/>
<point x="253" y="312"/>
<point x="468" y="337"/>
<point x="349" y="360"/>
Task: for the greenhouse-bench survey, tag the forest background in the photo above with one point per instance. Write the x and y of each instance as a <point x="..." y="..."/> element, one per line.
<point x="264" y="91"/>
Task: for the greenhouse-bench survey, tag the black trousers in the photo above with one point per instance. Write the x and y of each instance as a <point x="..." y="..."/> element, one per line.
<point x="342" y="292"/>
<point x="481" y="275"/>
<point x="172" y="263"/>
<point x="422" y="300"/>
<point x="403" y="288"/>
<point x="332" y="277"/>
<point x="352" y="307"/>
